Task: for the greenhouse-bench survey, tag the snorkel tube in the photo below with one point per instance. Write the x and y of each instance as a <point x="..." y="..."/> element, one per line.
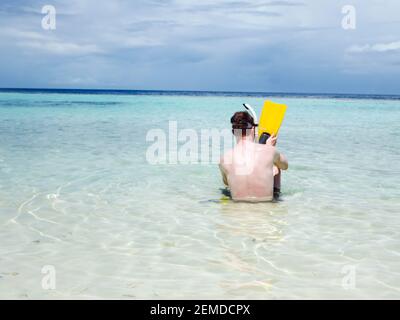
<point x="253" y="114"/>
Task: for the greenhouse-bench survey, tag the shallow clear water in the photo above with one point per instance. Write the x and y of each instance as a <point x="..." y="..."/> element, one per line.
<point x="77" y="193"/>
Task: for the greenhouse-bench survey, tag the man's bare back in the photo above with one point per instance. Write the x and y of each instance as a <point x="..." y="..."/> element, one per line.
<point x="249" y="168"/>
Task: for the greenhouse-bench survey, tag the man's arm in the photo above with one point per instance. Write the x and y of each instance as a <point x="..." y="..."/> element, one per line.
<point x="223" y="173"/>
<point x="280" y="161"/>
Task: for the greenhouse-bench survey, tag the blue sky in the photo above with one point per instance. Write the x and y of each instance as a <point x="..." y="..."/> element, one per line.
<point x="285" y="46"/>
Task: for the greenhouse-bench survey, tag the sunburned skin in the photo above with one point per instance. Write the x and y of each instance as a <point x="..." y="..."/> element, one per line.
<point x="249" y="169"/>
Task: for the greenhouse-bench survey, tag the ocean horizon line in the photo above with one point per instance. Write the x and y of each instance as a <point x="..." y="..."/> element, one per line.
<point x="204" y="93"/>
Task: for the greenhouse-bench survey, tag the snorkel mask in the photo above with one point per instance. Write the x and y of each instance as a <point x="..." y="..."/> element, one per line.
<point x="242" y="121"/>
<point x="264" y="137"/>
<point x="250" y="109"/>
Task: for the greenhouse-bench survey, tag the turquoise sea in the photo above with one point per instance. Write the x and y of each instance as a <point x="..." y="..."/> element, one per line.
<point x="78" y="197"/>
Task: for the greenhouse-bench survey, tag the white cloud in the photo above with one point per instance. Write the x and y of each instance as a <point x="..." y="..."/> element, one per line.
<point x="62" y="48"/>
<point x="22" y="34"/>
<point x="115" y="40"/>
<point x="49" y="43"/>
<point x="379" y="47"/>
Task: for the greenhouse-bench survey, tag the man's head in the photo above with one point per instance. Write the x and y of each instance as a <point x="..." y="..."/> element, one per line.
<point x="242" y="124"/>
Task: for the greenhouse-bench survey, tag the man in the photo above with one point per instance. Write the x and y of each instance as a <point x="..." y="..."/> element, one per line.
<point x="252" y="170"/>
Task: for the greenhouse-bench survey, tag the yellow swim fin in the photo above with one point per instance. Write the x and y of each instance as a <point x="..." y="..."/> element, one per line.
<point x="271" y="119"/>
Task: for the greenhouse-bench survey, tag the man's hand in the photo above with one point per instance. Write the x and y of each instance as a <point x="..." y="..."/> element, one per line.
<point x="272" y="140"/>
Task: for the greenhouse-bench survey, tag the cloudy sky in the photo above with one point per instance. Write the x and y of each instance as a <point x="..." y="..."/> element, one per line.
<point x="232" y="45"/>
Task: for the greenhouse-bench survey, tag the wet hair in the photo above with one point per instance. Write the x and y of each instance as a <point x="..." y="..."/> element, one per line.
<point x="243" y="121"/>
